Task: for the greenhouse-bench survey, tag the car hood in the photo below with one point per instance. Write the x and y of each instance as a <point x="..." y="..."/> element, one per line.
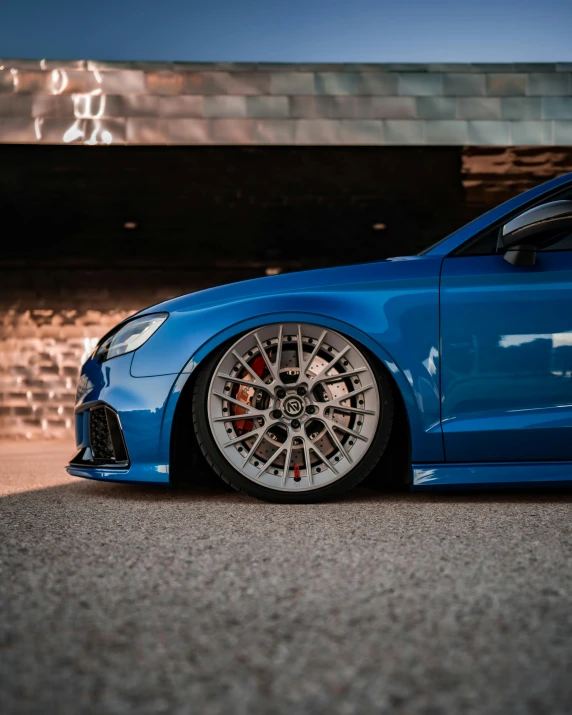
<point x="319" y="279"/>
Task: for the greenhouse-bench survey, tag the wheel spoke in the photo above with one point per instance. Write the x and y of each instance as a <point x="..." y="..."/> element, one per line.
<point x="234" y="418"/>
<point x="241" y="381"/>
<point x="255" y="378"/>
<point x="256" y="444"/>
<point x="358" y="410"/>
<point x="269" y="461"/>
<point x="339" y="376"/>
<point x="332" y="362"/>
<point x="307" y="460"/>
<point x="299" y="353"/>
<point x="288" y="446"/>
<point x="343" y="398"/>
<point x="315" y="350"/>
<point x="228" y="398"/>
<point x="324" y="460"/>
<point x="266" y="358"/>
<point x="279" y="352"/>
<point x="336" y="441"/>
<point x="246" y="435"/>
<point x="336" y="425"/>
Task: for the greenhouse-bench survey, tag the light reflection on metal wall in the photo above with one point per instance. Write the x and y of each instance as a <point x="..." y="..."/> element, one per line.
<point x="88" y="109"/>
<point x="94" y="103"/>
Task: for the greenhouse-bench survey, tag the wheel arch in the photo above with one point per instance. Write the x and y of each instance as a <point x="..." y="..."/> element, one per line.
<point x="177" y="424"/>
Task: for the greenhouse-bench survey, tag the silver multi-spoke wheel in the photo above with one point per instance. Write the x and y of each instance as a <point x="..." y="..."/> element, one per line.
<point x="293" y="407"/>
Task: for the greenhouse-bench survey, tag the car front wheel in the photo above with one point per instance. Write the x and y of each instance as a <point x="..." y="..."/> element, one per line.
<point x="292" y="413"/>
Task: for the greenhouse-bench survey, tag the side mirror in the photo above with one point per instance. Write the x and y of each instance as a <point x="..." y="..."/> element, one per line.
<point x="521" y="236"/>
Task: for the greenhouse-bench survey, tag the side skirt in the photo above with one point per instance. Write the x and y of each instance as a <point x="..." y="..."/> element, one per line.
<point x="500" y="474"/>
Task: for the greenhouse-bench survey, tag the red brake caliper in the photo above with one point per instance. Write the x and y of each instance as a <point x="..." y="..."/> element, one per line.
<point x="242" y="426"/>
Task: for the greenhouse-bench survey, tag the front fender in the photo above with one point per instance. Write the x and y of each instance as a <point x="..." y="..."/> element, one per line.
<point x="402" y="335"/>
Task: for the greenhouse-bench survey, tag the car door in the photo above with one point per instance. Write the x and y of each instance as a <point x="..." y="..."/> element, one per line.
<point x="506" y="370"/>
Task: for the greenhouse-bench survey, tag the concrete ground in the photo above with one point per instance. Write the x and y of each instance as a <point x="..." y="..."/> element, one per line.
<point x="129" y="599"/>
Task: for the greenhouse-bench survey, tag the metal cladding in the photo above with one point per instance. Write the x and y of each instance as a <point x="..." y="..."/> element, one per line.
<point x="140" y="103"/>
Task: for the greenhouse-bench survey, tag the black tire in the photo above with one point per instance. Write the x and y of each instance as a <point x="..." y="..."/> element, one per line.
<point x="242" y="484"/>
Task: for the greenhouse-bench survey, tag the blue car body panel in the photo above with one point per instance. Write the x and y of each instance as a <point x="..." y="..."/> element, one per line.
<point x="482" y="378"/>
<point x="506" y="334"/>
<point x="140" y="405"/>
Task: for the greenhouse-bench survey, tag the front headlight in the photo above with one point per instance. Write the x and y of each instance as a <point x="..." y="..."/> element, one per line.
<point x="129" y="336"/>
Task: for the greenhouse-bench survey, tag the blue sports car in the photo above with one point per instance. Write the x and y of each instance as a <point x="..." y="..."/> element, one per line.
<point x="456" y="363"/>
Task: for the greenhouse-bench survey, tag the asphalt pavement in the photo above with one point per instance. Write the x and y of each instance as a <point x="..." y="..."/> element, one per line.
<point x="130" y="599"/>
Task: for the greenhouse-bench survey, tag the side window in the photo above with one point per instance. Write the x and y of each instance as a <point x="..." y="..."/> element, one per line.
<point x="560" y="243"/>
<point x="485" y="244"/>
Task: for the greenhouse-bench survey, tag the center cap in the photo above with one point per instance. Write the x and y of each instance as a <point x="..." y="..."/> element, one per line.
<point x="293" y="406"/>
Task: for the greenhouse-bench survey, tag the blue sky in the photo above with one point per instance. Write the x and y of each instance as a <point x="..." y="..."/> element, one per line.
<point x="289" y="31"/>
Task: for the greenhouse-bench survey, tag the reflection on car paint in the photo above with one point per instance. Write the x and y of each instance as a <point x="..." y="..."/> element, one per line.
<point x="507" y="358"/>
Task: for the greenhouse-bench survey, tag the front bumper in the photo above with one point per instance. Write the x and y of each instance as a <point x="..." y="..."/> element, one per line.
<point x="121" y="431"/>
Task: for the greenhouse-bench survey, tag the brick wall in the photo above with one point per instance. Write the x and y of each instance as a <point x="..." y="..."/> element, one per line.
<point x="50" y="320"/>
<point x="40" y="351"/>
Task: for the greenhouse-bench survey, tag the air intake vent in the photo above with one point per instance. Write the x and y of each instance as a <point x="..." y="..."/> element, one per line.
<point x="106" y="438"/>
